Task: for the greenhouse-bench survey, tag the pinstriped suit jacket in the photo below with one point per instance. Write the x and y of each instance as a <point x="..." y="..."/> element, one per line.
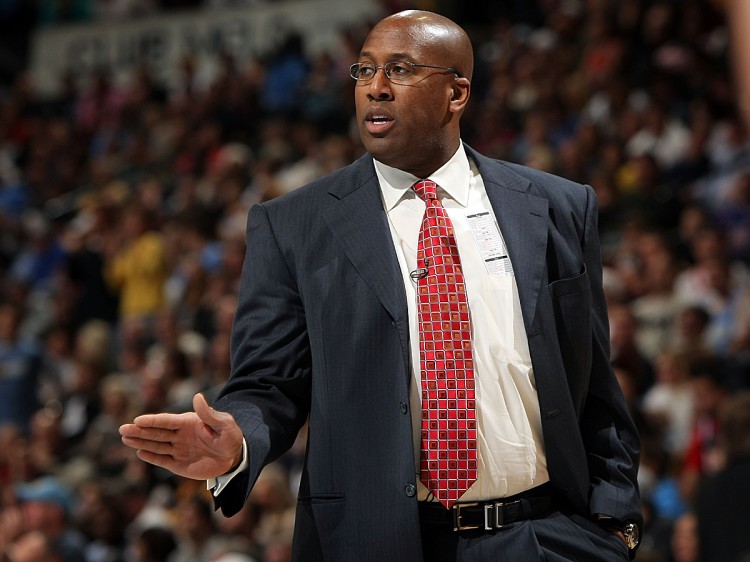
<point x="321" y="331"/>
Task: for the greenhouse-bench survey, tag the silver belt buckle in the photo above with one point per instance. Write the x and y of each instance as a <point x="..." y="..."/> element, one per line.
<point x="497" y="507"/>
<point x="457" y="525"/>
<point x="488" y="508"/>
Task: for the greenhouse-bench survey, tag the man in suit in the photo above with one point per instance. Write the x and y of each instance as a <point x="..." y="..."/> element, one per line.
<point x="330" y="328"/>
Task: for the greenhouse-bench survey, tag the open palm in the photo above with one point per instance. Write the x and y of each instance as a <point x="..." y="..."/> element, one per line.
<point x="199" y="445"/>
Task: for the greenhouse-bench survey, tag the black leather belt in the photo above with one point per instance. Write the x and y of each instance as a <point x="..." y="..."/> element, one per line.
<point x="491" y="514"/>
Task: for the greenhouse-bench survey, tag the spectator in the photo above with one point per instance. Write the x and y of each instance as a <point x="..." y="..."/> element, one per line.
<point x="45" y="448"/>
<point x="723" y="497"/>
<point x="685" y="540"/>
<point x="701" y="455"/>
<point x="240" y="529"/>
<point x="80" y="402"/>
<point x="658" y="483"/>
<point x="729" y="330"/>
<point x="46" y="505"/>
<point x="286" y="73"/>
<point x="664" y="138"/>
<point x="34" y="271"/>
<point x="689" y="334"/>
<point x="694" y="285"/>
<point x="197" y="540"/>
<point x="625" y="352"/>
<point x="154" y="544"/>
<point x="89" y="296"/>
<point x="137" y="268"/>
<point x="734" y="219"/>
<point x="101" y="443"/>
<point x="657" y="307"/>
<point x="103" y="527"/>
<point x="21" y="363"/>
<point x="670" y="402"/>
<point x="272" y="498"/>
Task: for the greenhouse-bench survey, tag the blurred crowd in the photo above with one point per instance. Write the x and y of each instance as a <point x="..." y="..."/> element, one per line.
<point x="122" y="223"/>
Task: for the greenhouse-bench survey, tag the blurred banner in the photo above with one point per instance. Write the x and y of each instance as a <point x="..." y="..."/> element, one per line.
<point x="162" y="43"/>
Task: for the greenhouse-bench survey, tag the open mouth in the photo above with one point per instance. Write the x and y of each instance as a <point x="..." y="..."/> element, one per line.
<point x="378" y="122"/>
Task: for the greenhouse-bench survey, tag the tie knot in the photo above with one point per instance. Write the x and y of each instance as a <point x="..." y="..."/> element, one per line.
<point x="425" y="189"/>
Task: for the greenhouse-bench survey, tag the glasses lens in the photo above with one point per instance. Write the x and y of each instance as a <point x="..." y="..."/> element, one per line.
<point x="362" y="71"/>
<point x="397" y="71"/>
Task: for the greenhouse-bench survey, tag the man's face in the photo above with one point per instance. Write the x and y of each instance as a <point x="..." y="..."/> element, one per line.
<point x="406" y="124"/>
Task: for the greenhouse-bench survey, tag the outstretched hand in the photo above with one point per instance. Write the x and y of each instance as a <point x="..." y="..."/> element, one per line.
<point x="200" y="445"/>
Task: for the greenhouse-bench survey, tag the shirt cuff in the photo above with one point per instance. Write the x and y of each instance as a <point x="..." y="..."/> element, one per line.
<point x="216" y="485"/>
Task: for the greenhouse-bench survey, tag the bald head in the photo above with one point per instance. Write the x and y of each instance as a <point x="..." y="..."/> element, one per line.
<point x="410" y="119"/>
<point x="444" y="35"/>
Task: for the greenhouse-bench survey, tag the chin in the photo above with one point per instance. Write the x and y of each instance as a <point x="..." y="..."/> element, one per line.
<point x="383" y="151"/>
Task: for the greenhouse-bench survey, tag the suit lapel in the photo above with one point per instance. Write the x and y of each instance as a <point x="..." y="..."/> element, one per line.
<point x="358" y="220"/>
<point x="522" y="217"/>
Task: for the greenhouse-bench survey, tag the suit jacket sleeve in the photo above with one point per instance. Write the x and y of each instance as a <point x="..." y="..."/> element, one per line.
<point x="268" y="390"/>
<point x="609" y="434"/>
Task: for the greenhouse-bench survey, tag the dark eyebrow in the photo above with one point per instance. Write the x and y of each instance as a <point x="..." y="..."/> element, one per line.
<point x="391" y="57"/>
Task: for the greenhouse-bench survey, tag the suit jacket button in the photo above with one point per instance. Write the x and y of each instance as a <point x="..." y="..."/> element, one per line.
<point x="404" y="409"/>
<point x="410" y="490"/>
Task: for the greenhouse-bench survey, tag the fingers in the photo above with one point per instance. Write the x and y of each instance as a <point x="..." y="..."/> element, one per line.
<point x="152" y="440"/>
<point x="216" y="420"/>
<point x="165" y="421"/>
<point x="128" y="429"/>
<point x="205" y="412"/>
<point x="221" y="423"/>
<point x="149" y="433"/>
<point x="155" y="447"/>
<point x="164" y="461"/>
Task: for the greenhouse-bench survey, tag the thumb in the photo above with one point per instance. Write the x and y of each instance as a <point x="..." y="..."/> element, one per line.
<point x="213" y="418"/>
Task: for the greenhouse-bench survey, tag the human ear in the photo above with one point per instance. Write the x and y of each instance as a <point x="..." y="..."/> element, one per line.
<point x="460" y="91"/>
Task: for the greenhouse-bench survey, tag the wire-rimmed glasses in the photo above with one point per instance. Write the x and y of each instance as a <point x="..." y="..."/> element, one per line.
<point x="396" y="71"/>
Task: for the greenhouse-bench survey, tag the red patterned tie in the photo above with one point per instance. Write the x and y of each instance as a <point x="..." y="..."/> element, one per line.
<point x="449" y="434"/>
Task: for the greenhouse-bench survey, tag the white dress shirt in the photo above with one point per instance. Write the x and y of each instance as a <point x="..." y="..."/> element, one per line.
<point x="511" y="454"/>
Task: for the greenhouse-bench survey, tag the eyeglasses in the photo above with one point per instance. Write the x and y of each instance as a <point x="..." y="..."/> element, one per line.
<point x="396" y="71"/>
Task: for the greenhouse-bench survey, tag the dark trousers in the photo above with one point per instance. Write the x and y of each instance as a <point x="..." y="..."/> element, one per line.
<point x="558" y="537"/>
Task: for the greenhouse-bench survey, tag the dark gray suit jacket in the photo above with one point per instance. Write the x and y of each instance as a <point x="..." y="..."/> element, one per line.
<point x="321" y="330"/>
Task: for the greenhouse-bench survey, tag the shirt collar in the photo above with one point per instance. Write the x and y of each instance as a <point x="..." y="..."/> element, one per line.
<point x="452" y="178"/>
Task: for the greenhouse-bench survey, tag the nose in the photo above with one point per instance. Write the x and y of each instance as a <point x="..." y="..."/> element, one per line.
<point x="380" y="86"/>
